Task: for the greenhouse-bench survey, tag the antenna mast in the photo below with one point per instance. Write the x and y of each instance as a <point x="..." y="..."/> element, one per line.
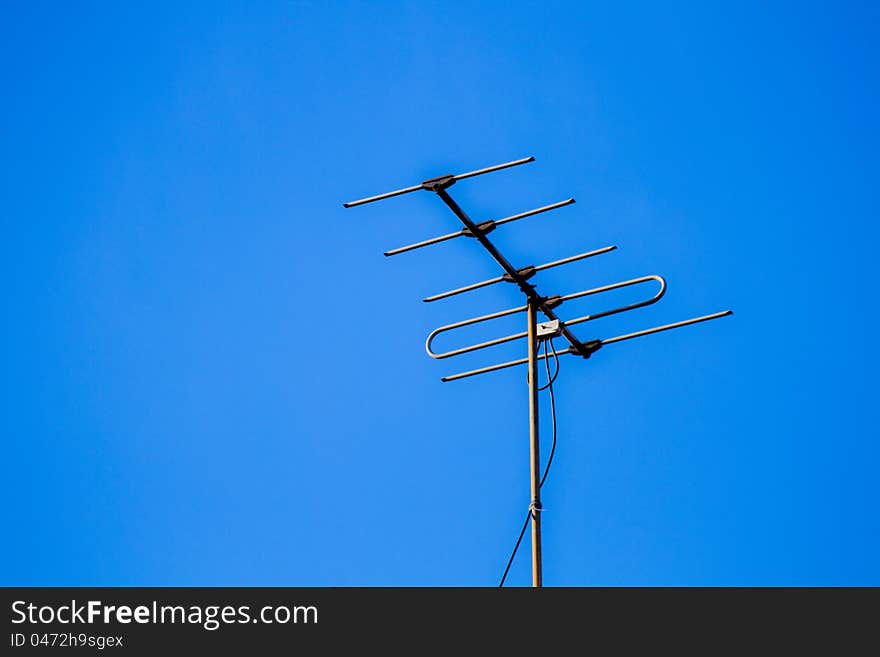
<point x="535" y="332"/>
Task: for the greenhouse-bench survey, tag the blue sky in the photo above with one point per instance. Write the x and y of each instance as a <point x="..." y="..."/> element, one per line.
<point x="213" y="377"/>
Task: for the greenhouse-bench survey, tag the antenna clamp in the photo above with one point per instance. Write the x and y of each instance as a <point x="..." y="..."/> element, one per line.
<point x="438" y="183"/>
<point x="586" y="349"/>
<point x="523" y="274"/>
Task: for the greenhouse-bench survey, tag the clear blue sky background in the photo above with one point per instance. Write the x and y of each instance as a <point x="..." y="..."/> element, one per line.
<point x="212" y="376"/>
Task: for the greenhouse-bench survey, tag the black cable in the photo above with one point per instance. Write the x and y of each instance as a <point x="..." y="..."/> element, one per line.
<point x="552" y="408"/>
<point x="515" y="548"/>
<point x="550" y="380"/>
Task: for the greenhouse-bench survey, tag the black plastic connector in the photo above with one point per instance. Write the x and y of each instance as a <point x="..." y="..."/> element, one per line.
<point x="552" y="302"/>
<point x="586" y="349"/>
<point x="485" y="228"/>
<point x="525" y="274"/>
<point x="438" y="183"/>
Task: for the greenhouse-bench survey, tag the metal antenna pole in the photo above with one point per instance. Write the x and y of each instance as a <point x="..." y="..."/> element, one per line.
<point x="534" y="445"/>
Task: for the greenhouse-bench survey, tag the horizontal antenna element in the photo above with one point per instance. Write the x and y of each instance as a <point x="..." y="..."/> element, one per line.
<point x="433" y="183"/>
<point x="484" y="227"/>
<point x="525" y="272"/>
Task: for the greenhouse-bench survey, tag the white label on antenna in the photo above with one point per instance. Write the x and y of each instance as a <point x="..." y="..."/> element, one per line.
<point x="549" y="329"/>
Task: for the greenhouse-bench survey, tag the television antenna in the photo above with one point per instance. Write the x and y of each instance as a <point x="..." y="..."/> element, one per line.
<point x="536" y="332"/>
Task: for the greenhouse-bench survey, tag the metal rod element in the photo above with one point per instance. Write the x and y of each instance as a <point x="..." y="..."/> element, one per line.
<point x="573" y="349"/>
<point x="575" y="258"/>
<point x="531" y="213"/>
<point x="578" y="320"/>
<point x="467" y="322"/>
<point x="497" y="167"/>
<point x="534" y="445"/>
<point x="419" y="245"/>
<point x="415" y="188"/>
<point x="499" y="366"/>
<point x="465" y="233"/>
<point x="462" y="290"/>
<point x="498" y="279"/>
<point x="380" y="197"/>
<point x="666" y="327"/>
